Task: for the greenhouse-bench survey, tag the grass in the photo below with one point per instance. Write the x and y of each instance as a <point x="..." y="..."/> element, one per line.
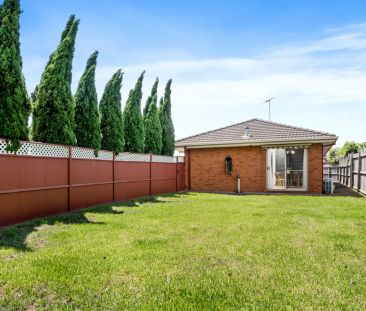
<point x="191" y="252"/>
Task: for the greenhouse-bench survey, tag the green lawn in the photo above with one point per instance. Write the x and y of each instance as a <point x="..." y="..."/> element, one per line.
<point x="191" y="252"/>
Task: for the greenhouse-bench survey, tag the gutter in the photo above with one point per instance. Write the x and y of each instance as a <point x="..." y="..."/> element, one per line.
<point x="321" y="139"/>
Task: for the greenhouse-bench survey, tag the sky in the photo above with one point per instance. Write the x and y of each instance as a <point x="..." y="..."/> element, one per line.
<point x="225" y="57"/>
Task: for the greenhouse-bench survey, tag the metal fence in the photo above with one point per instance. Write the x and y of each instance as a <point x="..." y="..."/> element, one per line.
<point x="45" y="179"/>
<point x="350" y="171"/>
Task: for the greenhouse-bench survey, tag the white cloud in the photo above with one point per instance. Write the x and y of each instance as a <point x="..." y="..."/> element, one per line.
<point x="319" y="84"/>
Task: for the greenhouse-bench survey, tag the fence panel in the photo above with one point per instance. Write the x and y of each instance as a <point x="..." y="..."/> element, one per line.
<point x="331" y="171"/>
<point x="45" y="179"/>
<point x="132" y="180"/>
<point x="91" y="178"/>
<point x="350" y="171"/>
<point x="163" y="177"/>
<point x="362" y="172"/>
<point x="181" y="179"/>
<point x="33" y="183"/>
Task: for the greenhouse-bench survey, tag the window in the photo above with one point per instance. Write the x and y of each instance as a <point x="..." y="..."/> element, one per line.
<point x="228" y="165"/>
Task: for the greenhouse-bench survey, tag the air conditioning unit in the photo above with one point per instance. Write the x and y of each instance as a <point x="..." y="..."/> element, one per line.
<point x="328" y="186"/>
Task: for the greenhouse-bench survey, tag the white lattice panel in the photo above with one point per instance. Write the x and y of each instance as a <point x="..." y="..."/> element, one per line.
<point x="180" y="159"/>
<point x="164" y="159"/>
<point x="133" y="157"/>
<point x="38" y="150"/>
<point x="2" y="147"/>
<point x="82" y="153"/>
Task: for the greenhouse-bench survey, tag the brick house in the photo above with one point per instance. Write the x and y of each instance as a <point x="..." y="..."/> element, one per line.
<point x="256" y="156"/>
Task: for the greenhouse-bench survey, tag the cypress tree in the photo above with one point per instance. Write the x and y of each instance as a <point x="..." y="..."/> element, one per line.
<point x="33" y="95"/>
<point x="87" y="119"/>
<point x="133" y="125"/>
<point x="153" y="133"/>
<point x="166" y="121"/>
<point x="111" y="115"/>
<point x="15" y="105"/>
<point x="154" y="91"/>
<point x="54" y="109"/>
<point x="68" y="27"/>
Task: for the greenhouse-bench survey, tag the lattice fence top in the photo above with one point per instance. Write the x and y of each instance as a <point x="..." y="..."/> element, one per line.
<point x="90" y="154"/>
<point x="59" y="151"/>
<point x="38" y="150"/>
<point x="133" y="157"/>
<point x="164" y="159"/>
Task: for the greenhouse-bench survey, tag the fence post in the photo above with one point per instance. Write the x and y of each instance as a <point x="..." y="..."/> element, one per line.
<point x="340" y="171"/>
<point x="150" y="178"/>
<point x="351" y="171"/>
<point x="113" y="175"/>
<point x="359" y="171"/>
<point x="69" y="180"/>
<point x="176" y="174"/>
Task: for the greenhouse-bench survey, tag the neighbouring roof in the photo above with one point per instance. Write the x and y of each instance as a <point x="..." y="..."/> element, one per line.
<point x="259" y="132"/>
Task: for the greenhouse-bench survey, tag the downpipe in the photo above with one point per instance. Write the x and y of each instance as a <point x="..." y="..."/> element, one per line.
<point x="238" y="183"/>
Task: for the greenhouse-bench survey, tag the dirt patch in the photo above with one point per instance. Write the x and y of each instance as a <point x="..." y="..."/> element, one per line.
<point x="38" y="244"/>
<point x="131" y="283"/>
<point x="10" y="257"/>
<point x="38" y="239"/>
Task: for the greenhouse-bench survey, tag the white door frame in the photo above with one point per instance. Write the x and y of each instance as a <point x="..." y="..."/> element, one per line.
<point x="270" y="172"/>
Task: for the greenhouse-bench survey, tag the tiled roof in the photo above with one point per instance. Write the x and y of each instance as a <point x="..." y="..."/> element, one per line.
<point x="255" y="131"/>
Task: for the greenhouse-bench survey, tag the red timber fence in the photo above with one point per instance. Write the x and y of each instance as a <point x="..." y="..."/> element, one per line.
<point x="44" y="179"/>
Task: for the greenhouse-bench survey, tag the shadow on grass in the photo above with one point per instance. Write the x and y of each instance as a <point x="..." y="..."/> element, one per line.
<point x="15" y="236"/>
<point x="152" y="199"/>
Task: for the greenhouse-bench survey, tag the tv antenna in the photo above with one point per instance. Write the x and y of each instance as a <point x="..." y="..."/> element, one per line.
<point x="268" y="101"/>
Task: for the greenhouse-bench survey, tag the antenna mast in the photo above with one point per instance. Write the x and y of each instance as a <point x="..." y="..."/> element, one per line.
<point x="268" y="101"/>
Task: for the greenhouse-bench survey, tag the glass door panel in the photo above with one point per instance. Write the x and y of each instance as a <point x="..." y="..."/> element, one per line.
<point x="280" y="168"/>
<point x="295" y="168"/>
<point x="276" y="169"/>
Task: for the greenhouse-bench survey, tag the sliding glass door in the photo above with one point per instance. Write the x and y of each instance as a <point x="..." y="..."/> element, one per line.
<point x="286" y="169"/>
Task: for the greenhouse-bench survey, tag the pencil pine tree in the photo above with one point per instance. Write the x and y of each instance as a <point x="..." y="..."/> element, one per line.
<point x="54" y="109"/>
<point x="152" y="126"/>
<point x="15" y="105"/>
<point x="68" y="27"/>
<point x="154" y="91"/>
<point x="64" y="34"/>
<point x="111" y="123"/>
<point x="166" y="121"/>
<point x="87" y="118"/>
<point x="133" y="125"/>
<point x="33" y="95"/>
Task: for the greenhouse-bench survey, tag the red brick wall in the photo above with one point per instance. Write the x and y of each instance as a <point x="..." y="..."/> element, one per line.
<point x="205" y="169"/>
<point x="315" y="168"/>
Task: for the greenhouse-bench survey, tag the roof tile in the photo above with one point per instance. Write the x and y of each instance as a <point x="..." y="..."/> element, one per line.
<point x="257" y="130"/>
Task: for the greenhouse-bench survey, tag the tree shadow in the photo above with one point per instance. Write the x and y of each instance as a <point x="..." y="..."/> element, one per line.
<point x="149" y="199"/>
<point x="15" y="236"/>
